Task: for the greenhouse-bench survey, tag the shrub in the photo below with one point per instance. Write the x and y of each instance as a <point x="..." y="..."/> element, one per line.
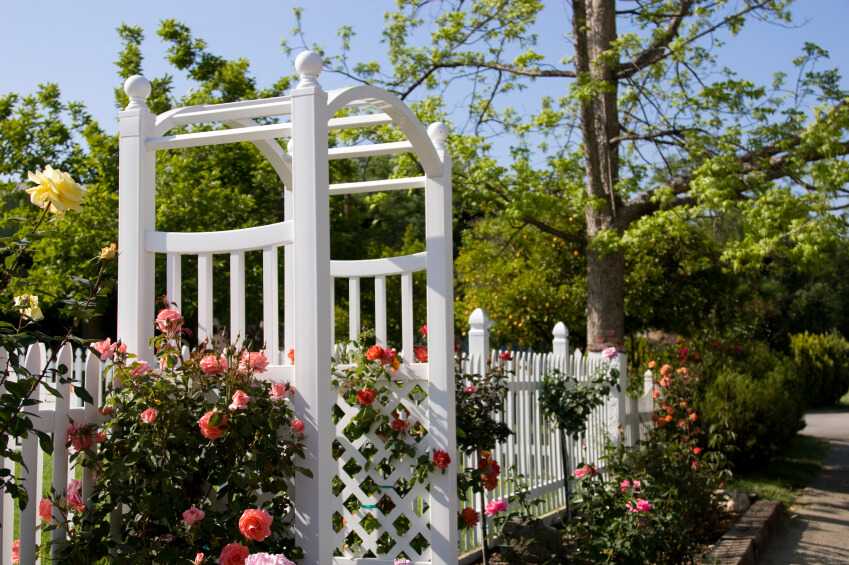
<point x="823" y="365"/>
<point x="763" y="411"/>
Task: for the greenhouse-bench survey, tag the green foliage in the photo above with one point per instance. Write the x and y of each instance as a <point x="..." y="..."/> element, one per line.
<point x="764" y="409"/>
<point x="822" y="363"/>
<point x="479" y="400"/>
<point x="158" y="468"/>
<point x="569" y="401"/>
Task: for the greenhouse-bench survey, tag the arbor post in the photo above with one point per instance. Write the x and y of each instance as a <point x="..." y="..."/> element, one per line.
<point x="136" y="198"/>
<point x="311" y="262"/>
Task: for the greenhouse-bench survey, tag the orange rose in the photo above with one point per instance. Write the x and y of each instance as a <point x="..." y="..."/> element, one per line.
<point x="212" y="431"/>
<point x="374" y="353"/>
<point x="255" y="524"/>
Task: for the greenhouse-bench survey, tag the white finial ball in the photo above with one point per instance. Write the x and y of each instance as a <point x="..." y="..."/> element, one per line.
<point x="438" y="132"/>
<point x="308" y="63"/>
<point x="137" y="87"/>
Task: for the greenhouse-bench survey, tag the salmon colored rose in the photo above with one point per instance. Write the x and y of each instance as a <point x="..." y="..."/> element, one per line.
<point x="209" y="430"/>
<point x="149" y="415"/>
<point x="45" y="509"/>
<point x="255" y="524"/>
<point x="233" y="554"/>
<point x="240" y="401"/>
<point x="193" y="515"/>
<point x="212" y="365"/>
<point x="297" y="426"/>
<point x="256" y="362"/>
<point x="169" y="321"/>
<point x="280" y="391"/>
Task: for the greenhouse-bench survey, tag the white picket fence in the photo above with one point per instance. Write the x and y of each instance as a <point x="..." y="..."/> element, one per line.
<point x="535" y="446"/>
<point x="52" y="415"/>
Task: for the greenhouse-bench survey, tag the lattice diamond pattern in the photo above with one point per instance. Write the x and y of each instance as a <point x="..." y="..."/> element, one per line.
<point x="373" y="504"/>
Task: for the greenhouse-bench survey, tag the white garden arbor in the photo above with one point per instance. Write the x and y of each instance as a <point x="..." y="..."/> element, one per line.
<point x="306" y="116"/>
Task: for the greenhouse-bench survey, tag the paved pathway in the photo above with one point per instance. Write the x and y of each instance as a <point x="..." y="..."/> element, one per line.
<point x="818" y="532"/>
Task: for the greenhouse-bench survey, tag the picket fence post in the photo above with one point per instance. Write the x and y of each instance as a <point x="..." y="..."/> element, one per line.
<point x="479" y="352"/>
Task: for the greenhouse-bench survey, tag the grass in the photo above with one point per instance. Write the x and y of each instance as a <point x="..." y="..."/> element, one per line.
<point x="792" y="470"/>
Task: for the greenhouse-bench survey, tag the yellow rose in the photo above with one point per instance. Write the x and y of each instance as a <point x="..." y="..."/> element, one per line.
<point x="55" y="189"/>
<point x="30" y="304"/>
<point x="109" y="252"/>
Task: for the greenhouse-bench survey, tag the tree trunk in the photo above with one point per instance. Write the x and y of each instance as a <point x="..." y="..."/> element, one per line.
<point x="594" y="25"/>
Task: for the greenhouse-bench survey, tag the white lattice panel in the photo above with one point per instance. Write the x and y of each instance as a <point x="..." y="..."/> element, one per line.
<point x="389" y="517"/>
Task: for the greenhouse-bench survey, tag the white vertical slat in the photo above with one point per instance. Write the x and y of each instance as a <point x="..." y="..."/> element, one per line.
<point x="380" y="310"/>
<point x="354" y="327"/>
<point x="332" y="315"/>
<point x="205" y="329"/>
<point x="237" y="297"/>
<point x="30" y="470"/>
<point x="407" y="330"/>
<point x="60" y="454"/>
<point x="92" y="385"/>
<point x="270" y="305"/>
<point x="289" y="279"/>
<point x="7" y="506"/>
<point x="174" y="279"/>
<point x="136" y="213"/>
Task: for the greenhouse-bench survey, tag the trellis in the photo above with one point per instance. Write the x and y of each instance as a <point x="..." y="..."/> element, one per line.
<point x="304" y="236"/>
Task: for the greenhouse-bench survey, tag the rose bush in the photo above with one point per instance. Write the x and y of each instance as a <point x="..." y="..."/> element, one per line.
<point x="201" y="460"/>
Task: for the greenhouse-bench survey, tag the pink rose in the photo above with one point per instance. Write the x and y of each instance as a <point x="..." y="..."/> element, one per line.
<point x="80" y="436"/>
<point x="73" y="498"/>
<point x="642" y="506"/>
<point x="267" y="559"/>
<point x="140" y="370"/>
<point x="45" y="509"/>
<point x="421" y="354"/>
<point x="506" y="356"/>
<point x="297" y="426"/>
<point x="280" y="391"/>
<point x="106" y="349"/>
<point x="199" y="558"/>
<point x="149" y="415"/>
<point x="212" y="431"/>
<point x="192" y="515"/>
<point x="16" y="551"/>
<point x="240" y="401"/>
<point x="610" y="353"/>
<point x="587" y="470"/>
<point x="169" y="321"/>
<point x="423" y="329"/>
<point x="212" y="365"/>
<point x="255" y="362"/>
<point x="122" y="349"/>
<point x="105" y="410"/>
<point x="470" y="389"/>
<point x="255" y="524"/>
<point x="494" y="507"/>
<point x="233" y="554"/>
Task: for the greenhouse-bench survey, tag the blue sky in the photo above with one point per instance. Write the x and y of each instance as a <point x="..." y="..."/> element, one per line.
<point x="74" y="43"/>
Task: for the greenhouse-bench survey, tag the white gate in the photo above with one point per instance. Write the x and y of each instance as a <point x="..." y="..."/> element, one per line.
<point x="308" y="269"/>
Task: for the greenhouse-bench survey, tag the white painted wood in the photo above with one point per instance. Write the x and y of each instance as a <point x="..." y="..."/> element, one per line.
<point x="371" y="150"/>
<point x="246" y="239"/>
<point x="365" y="120"/>
<point x="136" y="189"/>
<point x="379" y="267"/>
<point x="218" y="136"/>
<point x="376" y="186"/>
<point x="251" y="109"/>
<point x="279" y="160"/>
<point x="313" y="499"/>
<point x="32" y="456"/>
<point x="403" y="117"/>
<point x="174" y="279"/>
<point x="289" y="278"/>
<point x="407" y="329"/>
<point x="270" y="306"/>
<point x="7" y="505"/>
<point x="60" y="454"/>
<point x="237" y="297"/>
<point x="380" y="310"/>
<point x="205" y="318"/>
<point x="354" y="326"/>
<point x="440" y="339"/>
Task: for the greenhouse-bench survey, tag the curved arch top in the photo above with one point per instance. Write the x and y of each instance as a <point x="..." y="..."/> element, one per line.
<point x="400" y="114"/>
